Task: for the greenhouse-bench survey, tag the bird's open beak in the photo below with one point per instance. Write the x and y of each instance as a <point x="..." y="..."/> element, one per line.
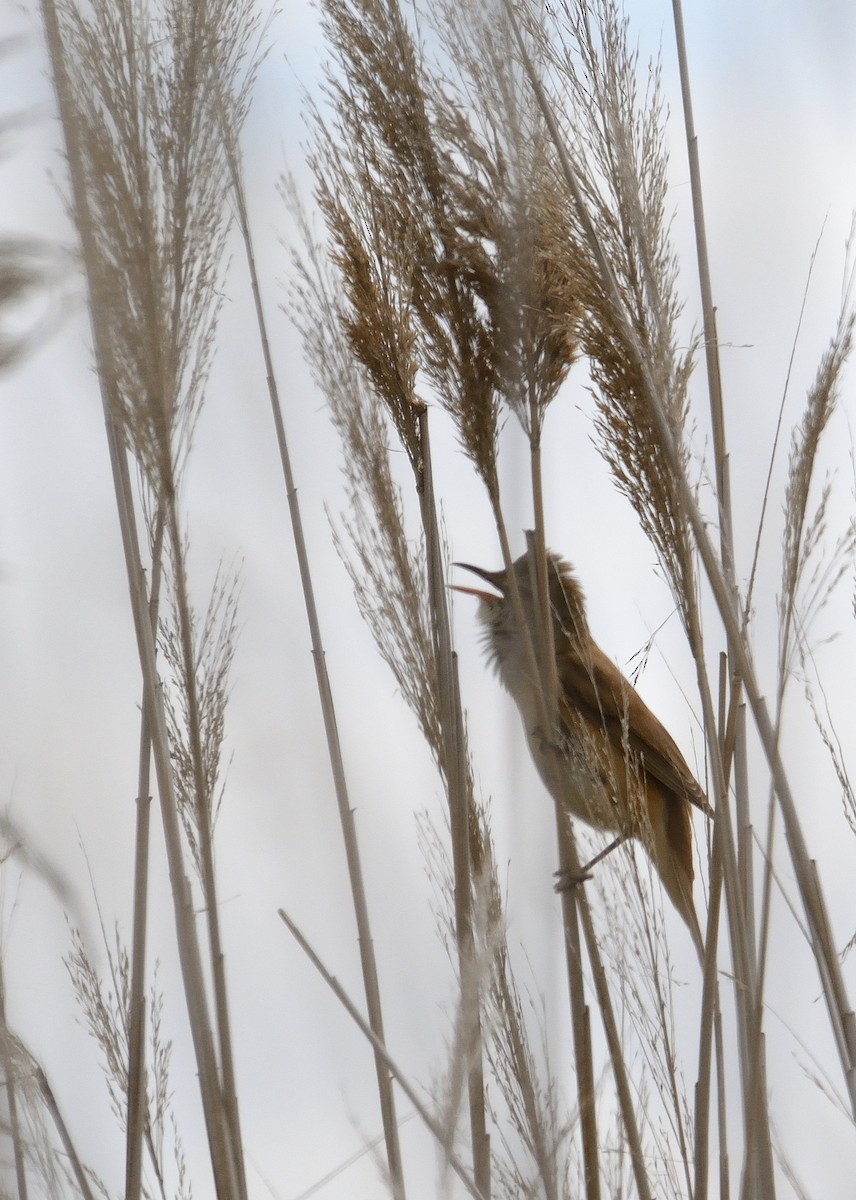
<point x="494" y="578"/>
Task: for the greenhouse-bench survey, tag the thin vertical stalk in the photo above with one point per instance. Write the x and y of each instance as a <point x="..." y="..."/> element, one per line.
<point x="219" y="1133"/>
<point x="722" y="1109"/>
<point x="368" y="961"/>
<point x="743" y="817"/>
<point x="206" y="840"/>
<point x="202" y="813"/>
<point x="711" y="342"/>
<point x="616" y="1053"/>
<point x="136" y="1119"/>
<point x="222" y="1155"/>
<point x="725" y="871"/>
<point x="580" y="1015"/>
<point x="459" y="815"/>
<point x="760" y="1180"/>
<point x="710" y="991"/>
<point x="745" y="975"/>
<point x="757" y="1130"/>
<point x="708" y="1025"/>
<point x="136" y="1114"/>
<point x="757" y="1075"/>
<point x="568" y="859"/>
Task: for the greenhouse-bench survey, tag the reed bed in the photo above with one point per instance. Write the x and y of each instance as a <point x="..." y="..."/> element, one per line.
<point x="482" y="234"/>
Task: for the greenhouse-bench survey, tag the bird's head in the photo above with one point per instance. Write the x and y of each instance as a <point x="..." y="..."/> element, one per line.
<point x="496" y="611"/>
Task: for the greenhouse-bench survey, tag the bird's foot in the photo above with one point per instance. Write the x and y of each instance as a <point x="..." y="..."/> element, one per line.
<point x="567" y="879"/>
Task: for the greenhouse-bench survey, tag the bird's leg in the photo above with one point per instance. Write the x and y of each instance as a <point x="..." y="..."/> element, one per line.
<point x="567" y="879"/>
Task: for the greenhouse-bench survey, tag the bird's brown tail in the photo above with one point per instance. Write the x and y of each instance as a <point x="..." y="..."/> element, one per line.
<point x="672" y="852"/>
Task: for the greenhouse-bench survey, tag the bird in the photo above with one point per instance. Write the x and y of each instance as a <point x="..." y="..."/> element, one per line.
<point x="609" y="761"/>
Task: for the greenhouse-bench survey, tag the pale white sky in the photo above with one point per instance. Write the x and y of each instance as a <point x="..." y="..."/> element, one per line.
<point x="775" y="106"/>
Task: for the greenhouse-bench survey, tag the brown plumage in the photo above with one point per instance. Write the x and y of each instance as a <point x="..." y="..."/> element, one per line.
<point x="610" y="762"/>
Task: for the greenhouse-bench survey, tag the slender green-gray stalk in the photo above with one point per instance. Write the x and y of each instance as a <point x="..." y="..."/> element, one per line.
<point x="136" y="1025"/>
<point x="368" y="960"/>
<point x="458" y="789"/>
<point x="723" y="492"/>
<point x="568" y="858"/>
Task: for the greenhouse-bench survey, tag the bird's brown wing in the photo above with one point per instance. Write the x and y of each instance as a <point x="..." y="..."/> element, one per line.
<point x="594" y="685"/>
